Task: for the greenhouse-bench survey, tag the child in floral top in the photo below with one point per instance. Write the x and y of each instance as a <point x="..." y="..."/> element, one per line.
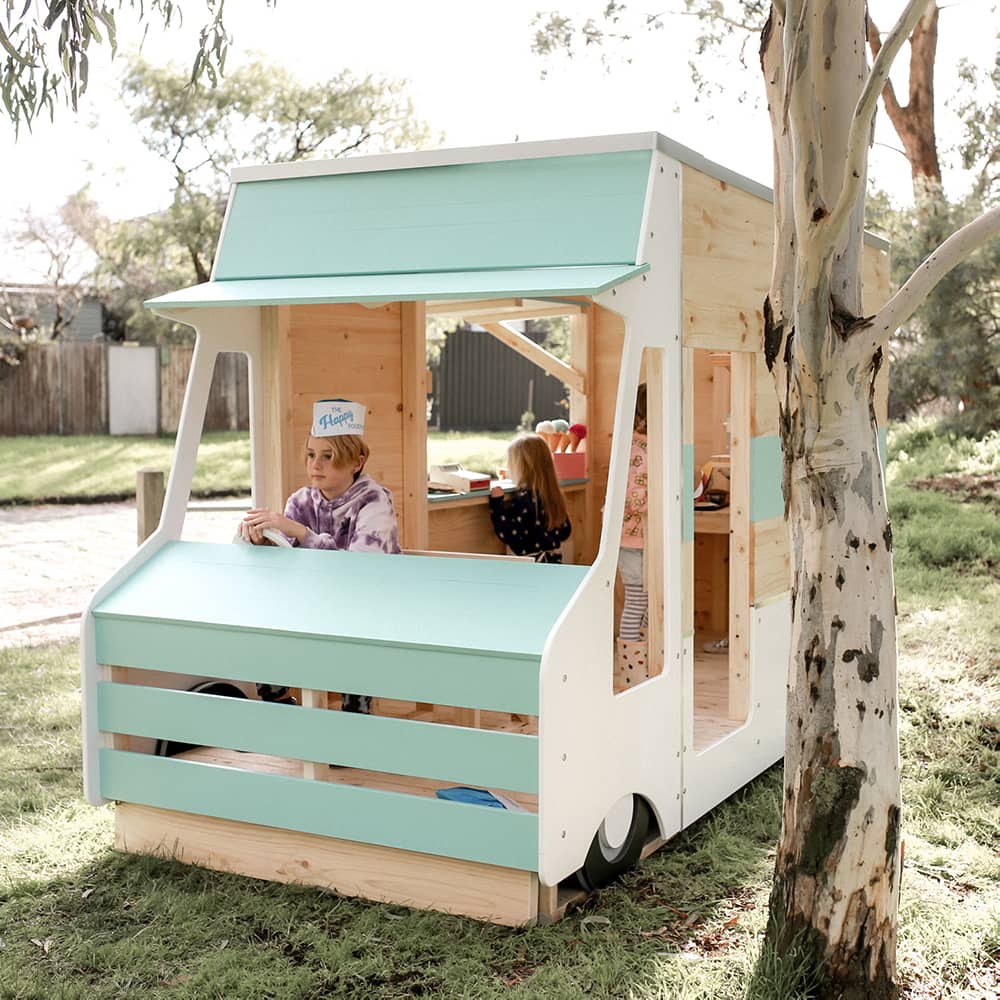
<point x="534" y="520"/>
<point x="635" y="611"/>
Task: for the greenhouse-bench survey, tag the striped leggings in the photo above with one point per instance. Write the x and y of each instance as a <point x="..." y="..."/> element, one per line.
<point x="635" y="613"/>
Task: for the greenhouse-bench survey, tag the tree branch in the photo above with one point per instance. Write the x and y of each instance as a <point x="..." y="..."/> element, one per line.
<point x="921" y="283"/>
<point x="861" y="125"/>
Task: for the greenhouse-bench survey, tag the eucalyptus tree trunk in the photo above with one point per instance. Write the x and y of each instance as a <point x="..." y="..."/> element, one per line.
<point x="836" y="883"/>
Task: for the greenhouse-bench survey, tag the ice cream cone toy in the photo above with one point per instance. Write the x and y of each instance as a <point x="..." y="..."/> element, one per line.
<point x="576" y="433"/>
<point x="561" y="435"/>
<point x="545" y="430"/>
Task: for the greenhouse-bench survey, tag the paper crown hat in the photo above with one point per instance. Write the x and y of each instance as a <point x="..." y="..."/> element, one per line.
<point x="332" y="417"/>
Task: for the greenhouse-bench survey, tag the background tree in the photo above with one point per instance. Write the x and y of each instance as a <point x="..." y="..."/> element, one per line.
<point x="258" y="113"/>
<point x="64" y="266"/>
<point x="47" y="44"/>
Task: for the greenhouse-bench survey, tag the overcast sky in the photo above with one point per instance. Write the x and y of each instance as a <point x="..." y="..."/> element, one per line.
<point x="472" y="77"/>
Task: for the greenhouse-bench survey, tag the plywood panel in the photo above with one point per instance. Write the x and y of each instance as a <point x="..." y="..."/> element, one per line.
<point x="770" y="575"/>
<point x="727" y="237"/>
<point x="606" y="342"/>
<point x="486" y="892"/>
<point x="711" y="583"/>
<point x="353" y="352"/>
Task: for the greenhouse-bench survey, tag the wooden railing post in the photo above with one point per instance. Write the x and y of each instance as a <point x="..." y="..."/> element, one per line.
<point x="149" y="491"/>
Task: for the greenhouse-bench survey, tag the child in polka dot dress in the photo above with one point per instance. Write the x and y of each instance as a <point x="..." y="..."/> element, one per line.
<point x="533" y="520"/>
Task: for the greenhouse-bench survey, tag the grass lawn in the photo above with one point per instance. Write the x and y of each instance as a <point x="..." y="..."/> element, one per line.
<point x="77" y="920"/>
<point x="99" y="467"/>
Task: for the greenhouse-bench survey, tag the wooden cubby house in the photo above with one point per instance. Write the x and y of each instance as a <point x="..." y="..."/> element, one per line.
<point x="488" y="672"/>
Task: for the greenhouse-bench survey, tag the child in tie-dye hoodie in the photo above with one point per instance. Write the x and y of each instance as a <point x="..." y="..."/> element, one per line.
<point x="342" y="509"/>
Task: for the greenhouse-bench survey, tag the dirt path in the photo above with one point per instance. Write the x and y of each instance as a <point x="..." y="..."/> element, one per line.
<point x="53" y="558"/>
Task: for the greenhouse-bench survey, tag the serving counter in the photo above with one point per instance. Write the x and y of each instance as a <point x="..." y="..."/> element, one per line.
<point x="461" y="522"/>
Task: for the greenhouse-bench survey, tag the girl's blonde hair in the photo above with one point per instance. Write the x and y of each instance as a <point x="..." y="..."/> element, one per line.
<point x="348" y="449"/>
<point x="531" y="467"/>
<point x="639" y="421"/>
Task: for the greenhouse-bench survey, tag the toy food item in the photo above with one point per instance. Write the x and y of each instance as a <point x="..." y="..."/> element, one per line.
<point x="546" y="430"/>
<point x="575" y="434"/>
<point x="561" y="434"/>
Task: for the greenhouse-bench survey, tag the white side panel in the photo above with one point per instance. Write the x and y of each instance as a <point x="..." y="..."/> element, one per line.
<point x="218" y="330"/>
<point x="595" y="747"/>
<point x="717" y="772"/>
<point x="133" y="390"/>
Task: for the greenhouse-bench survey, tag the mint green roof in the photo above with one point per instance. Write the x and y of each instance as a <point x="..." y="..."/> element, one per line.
<point x="553" y="211"/>
<point x="534" y="227"/>
<point x="539" y="282"/>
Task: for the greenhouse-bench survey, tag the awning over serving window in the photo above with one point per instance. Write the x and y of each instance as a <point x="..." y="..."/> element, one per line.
<point x="514" y="283"/>
<point x="357" y="231"/>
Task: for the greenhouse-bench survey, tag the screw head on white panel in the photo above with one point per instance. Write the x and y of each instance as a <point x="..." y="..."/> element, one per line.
<point x="564" y="755"/>
<point x="566" y="675"/>
<point x="564" y="835"/>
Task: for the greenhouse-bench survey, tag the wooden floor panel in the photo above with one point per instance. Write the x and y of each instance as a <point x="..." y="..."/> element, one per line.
<point x="711" y="695"/>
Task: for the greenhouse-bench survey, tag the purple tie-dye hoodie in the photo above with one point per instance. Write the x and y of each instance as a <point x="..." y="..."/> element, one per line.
<point x="361" y="519"/>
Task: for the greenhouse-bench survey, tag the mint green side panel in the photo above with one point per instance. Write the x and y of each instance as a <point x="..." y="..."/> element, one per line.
<point x="541" y="282"/>
<point x="766" y="500"/>
<point x="412" y="822"/>
<point x="469" y="680"/>
<point x="687" y="494"/>
<point x="397" y="746"/>
<point x="544" y="212"/>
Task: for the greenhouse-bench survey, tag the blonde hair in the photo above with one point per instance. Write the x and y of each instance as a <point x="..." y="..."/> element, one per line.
<point x="348" y="450"/>
<point x="531" y="467"/>
<point x="639" y="421"/>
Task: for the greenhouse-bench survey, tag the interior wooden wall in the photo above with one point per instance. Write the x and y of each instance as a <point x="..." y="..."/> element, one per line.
<point x="353" y="352"/>
<point x="607" y="338"/>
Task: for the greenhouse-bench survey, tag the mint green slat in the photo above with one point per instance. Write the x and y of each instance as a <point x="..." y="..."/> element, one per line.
<point x="415" y="823"/>
<point x="503" y="684"/>
<point x="396" y="746"/>
<point x="542" y="282"/>
<point x="543" y="212"/>
<point x="687" y="494"/>
<point x="766" y="500"/>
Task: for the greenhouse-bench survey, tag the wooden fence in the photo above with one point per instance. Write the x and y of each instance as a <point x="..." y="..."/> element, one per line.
<point x="62" y="388"/>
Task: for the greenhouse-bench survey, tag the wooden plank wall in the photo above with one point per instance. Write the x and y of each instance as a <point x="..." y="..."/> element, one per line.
<point x="58" y="388"/>
<point x="353" y="352"/>
<point x="228" y="400"/>
<point x="604" y="348"/>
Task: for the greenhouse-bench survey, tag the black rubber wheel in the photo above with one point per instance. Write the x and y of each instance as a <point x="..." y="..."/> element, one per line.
<point x="170" y="748"/>
<point x="603" y="863"/>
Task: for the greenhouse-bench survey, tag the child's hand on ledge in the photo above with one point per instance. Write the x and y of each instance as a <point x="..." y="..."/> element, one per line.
<point x="260" y="518"/>
<point x="497" y="491"/>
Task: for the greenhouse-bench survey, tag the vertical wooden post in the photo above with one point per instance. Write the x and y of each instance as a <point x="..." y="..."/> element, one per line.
<point x="581" y="356"/>
<point x="274" y="451"/>
<point x="413" y="346"/>
<point x="149" y="492"/>
<point x="654" y="530"/>
<point x="310" y="769"/>
<point x="741" y="384"/>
